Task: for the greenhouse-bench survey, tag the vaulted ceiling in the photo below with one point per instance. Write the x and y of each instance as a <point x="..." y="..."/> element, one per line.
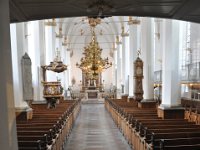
<point x="26" y="10"/>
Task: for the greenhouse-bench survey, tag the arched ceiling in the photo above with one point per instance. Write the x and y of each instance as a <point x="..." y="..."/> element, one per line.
<point x="26" y="10"/>
<point x="106" y="31"/>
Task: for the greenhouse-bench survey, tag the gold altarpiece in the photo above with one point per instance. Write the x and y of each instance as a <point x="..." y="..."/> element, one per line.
<point x="91" y="86"/>
<point x="91" y="83"/>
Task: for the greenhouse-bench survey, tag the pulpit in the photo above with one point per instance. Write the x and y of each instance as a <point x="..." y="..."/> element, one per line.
<point x="53" y="90"/>
<point x="52" y="93"/>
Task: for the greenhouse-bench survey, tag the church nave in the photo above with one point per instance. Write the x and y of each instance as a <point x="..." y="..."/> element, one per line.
<point x="95" y="130"/>
<point x="100" y="75"/>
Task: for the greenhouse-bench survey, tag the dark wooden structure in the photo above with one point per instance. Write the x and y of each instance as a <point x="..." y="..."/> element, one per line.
<point x="145" y="130"/>
<point x="49" y="128"/>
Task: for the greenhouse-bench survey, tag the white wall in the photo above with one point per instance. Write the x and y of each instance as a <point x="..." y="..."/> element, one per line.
<point x="44" y="47"/>
<point x="195" y="42"/>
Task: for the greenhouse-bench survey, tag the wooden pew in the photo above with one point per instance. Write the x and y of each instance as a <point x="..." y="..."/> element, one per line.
<point x="50" y="127"/>
<point x="180" y="143"/>
<point x="148" y="130"/>
<point x="32" y="145"/>
<point x="156" y="137"/>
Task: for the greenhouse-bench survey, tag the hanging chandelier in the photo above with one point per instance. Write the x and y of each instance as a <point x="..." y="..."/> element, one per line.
<point x="92" y="63"/>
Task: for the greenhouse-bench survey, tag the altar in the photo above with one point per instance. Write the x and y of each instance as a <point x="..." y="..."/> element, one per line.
<point x="92" y="94"/>
<point x="91" y="86"/>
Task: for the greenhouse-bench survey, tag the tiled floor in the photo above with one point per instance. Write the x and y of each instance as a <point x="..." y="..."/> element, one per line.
<point x="95" y="130"/>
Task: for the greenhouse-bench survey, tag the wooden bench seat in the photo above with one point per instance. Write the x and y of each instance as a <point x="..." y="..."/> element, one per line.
<point x="144" y="130"/>
<point x="38" y="121"/>
<point x="183" y="147"/>
<point x="150" y="121"/>
<point x="155" y="138"/>
<point x="49" y="126"/>
<point x="32" y="145"/>
<point x="31" y="137"/>
<point x="179" y="141"/>
<point x="33" y="133"/>
<point x="162" y="126"/>
<point x="35" y="124"/>
<point x="171" y="130"/>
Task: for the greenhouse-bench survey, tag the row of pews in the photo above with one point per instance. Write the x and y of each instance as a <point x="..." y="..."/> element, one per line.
<point x="144" y="130"/>
<point x="192" y="110"/>
<point x="49" y="128"/>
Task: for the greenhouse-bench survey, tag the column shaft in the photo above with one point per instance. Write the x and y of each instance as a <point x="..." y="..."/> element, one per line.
<point x="119" y="67"/>
<point x="8" y="137"/>
<point x="147" y="57"/>
<point x="171" y="78"/>
<point x="133" y="42"/>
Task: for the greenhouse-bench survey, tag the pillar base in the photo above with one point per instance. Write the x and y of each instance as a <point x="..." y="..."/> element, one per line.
<point x="130" y="98"/>
<point x="125" y="97"/>
<point x="147" y="103"/>
<point x="173" y="112"/>
<point x="24" y="113"/>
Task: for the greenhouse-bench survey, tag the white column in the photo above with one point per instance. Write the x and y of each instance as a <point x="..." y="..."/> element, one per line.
<point x="63" y="59"/>
<point x="42" y="56"/>
<point x="147" y="57"/>
<point x="171" y="77"/>
<point x="35" y="57"/>
<point x="115" y="67"/>
<point x="60" y="76"/>
<point x="8" y="137"/>
<point x="18" y="50"/>
<point x="68" y="72"/>
<point x="125" y="64"/>
<point x="50" y="50"/>
<point x="134" y="46"/>
<point x="119" y="71"/>
<point x="157" y="43"/>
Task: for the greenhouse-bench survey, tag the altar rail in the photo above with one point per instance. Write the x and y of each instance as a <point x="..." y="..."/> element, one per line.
<point x="83" y="95"/>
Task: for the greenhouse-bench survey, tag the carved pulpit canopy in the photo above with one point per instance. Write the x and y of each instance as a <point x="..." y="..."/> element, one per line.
<point x="57" y="65"/>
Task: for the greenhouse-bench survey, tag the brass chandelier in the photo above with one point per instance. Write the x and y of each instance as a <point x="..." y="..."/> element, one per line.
<point x="92" y="63"/>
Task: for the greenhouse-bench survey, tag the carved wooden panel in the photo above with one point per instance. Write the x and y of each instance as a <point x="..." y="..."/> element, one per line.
<point x="138" y="77"/>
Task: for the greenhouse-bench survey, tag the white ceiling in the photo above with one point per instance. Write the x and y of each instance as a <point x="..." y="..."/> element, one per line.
<point x="106" y="32"/>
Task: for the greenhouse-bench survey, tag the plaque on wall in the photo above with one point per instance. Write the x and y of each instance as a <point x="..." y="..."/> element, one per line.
<point x="27" y="78"/>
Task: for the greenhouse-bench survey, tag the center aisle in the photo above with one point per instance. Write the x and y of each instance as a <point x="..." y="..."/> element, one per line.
<point x="95" y="130"/>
